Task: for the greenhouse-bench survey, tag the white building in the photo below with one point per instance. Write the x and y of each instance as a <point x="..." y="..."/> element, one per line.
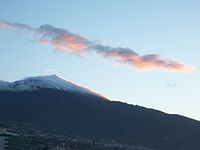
<point x="2" y="142"/>
<point x="10" y="141"/>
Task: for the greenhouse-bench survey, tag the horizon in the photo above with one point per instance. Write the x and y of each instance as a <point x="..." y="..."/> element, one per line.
<point x="103" y="96"/>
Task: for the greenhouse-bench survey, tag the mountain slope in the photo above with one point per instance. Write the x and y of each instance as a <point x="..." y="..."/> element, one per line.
<point x="89" y="117"/>
<point x="48" y="81"/>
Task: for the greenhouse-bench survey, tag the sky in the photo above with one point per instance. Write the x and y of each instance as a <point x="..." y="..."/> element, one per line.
<point x="142" y="52"/>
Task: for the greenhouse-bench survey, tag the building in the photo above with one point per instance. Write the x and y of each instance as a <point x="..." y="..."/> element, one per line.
<point x="10" y="141"/>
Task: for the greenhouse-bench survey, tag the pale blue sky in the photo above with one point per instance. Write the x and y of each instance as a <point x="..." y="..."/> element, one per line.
<point x="169" y="27"/>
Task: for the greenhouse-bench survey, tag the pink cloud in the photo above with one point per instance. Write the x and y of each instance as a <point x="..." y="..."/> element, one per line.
<point x="68" y="42"/>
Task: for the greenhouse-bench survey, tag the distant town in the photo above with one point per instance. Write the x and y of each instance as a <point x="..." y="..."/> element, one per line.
<point x="21" y="136"/>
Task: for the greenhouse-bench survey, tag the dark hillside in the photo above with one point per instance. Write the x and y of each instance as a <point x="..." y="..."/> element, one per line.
<point x="96" y="118"/>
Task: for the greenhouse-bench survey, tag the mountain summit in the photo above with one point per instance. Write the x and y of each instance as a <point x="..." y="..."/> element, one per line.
<point x="55" y="104"/>
<point x="49" y="82"/>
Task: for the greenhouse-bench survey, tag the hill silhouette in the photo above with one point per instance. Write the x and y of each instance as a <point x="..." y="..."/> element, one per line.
<point x="94" y="117"/>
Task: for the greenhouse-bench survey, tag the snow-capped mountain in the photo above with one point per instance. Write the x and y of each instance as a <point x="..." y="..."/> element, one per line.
<point x="48" y="81"/>
<point x="10" y="86"/>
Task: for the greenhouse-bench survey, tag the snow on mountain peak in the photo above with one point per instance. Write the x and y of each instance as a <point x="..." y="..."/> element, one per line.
<point x="55" y="82"/>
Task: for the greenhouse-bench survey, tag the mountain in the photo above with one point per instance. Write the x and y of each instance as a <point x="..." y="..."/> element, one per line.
<point x="8" y="86"/>
<point x="73" y="113"/>
<point x="49" y="81"/>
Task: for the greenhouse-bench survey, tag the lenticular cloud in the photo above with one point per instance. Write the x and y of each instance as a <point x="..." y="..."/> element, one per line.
<point x="68" y="42"/>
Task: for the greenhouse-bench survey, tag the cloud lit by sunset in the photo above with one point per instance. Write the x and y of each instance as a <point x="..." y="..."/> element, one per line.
<point x="68" y="42"/>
